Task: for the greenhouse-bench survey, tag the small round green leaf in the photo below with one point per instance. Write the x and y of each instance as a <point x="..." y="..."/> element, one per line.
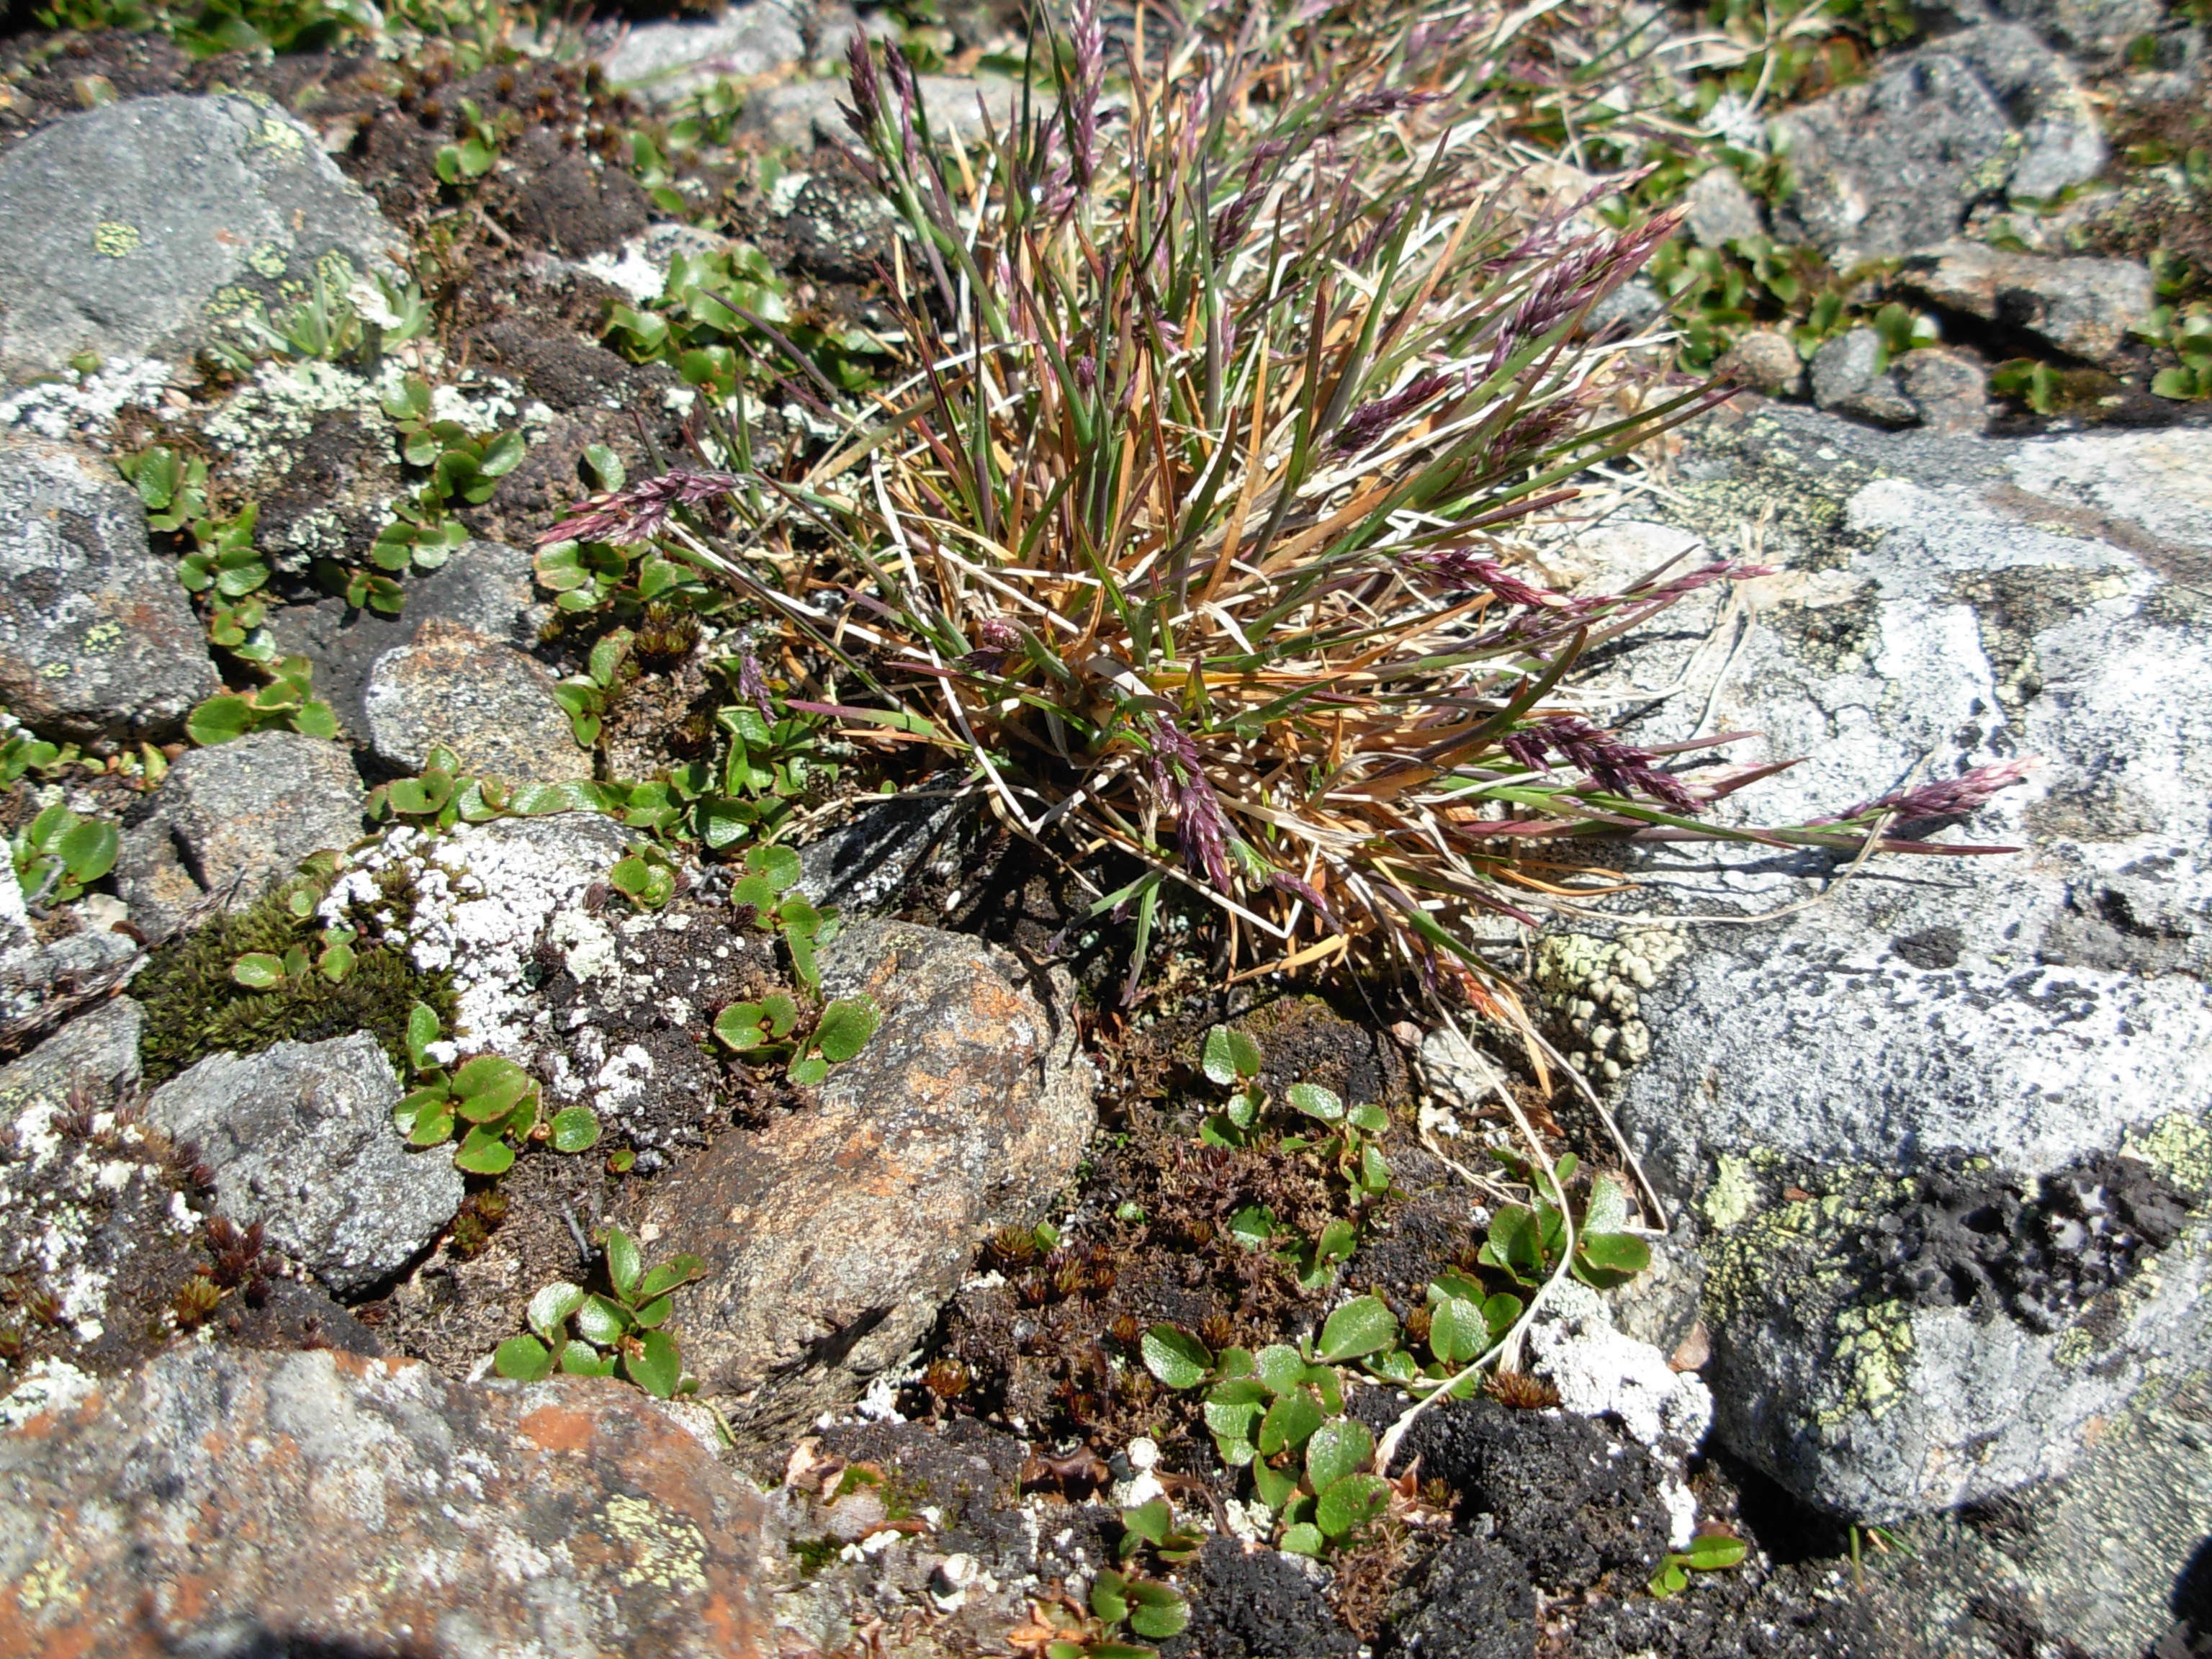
<point x="575" y="1128"/>
<point x="1350" y="1503"/>
<point x="1712" y="1551"/>
<point x="550" y="1308"/>
<point x="483" y="1153"/>
<point x="1362" y="1326"/>
<point x="777" y="866"/>
<point x="1338" y="1448"/>
<point x="1288" y="1423"/>
<point x="258" y="970"/>
<point x="601" y="1322"/>
<point x="844" y="1029"/>
<point x="219" y="719"/>
<point x="433" y="1123"/>
<point x="1156" y="1611"/>
<point x="1177" y="1359"/>
<point x="811" y="1072"/>
<point x="522" y="1359"/>
<point x="1280" y="1367"/>
<point x="656" y="1369"/>
<point x="1303" y="1539"/>
<point x="1316" y="1102"/>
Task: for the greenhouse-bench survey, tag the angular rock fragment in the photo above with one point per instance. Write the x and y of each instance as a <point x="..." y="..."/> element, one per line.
<point x="300" y="1139"/>
<point x="229" y="821"/>
<point x="833" y="1236"/>
<point x="229" y="1501"/>
<point x="96" y="638"/>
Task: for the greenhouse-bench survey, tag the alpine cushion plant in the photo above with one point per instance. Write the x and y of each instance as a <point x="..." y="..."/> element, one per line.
<point x="1192" y="535"/>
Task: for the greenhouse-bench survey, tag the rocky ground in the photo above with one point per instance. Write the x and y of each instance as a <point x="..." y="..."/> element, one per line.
<point x="414" y="933"/>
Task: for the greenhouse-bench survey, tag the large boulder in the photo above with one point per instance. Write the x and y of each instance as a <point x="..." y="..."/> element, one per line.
<point x="96" y="638"/>
<point x="833" y="1235"/>
<point x="223" y="1502"/>
<point x="299" y="1138"/>
<point x="138" y="227"/>
<point x="228" y="820"/>
<point x="1941" y="1139"/>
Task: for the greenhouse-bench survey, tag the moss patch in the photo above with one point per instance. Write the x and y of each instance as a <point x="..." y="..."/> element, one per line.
<point x="194" y="1008"/>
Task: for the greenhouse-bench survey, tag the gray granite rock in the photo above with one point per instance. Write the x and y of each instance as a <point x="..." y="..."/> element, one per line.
<point x="96" y="638"/>
<point x="490" y="703"/>
<point x="300" y="1139"/>
<point x="2097" y="30"/>
<point x="662" y="62"/>
<point x="232" y="820"/>
<point x="2059" y="141"/>
<point x="1719" y="209"/>
<point x="135" y="228"/>
<point x="485" y="586"/>
<point x="1948" y="390"/>
<point x="1840" y="1097"/>
<point x="2084" y="307"/>
<point x="1850" y="376"/>
<point x="1892" y="164"/>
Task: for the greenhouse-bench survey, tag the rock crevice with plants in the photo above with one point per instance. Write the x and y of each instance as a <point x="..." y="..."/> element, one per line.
<point x="1086" y="833"/>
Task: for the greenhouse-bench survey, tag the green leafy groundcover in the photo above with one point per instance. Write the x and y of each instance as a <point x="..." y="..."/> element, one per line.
<point x="195" y="1007"/>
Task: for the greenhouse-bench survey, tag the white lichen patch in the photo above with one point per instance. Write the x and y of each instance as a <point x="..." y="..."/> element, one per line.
<point x="484" y="896"/>
<point x="1593" y="988"/>
<point x="80" y="408"/>
<point x="1600" y="1371"/>
<point x="48" y="1385"/>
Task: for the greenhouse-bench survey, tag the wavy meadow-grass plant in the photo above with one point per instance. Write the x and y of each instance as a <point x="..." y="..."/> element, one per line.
<point x="1193" y="532"/>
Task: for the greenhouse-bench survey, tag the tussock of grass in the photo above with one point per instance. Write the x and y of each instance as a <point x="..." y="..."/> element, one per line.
<point x="1193" y="532"/>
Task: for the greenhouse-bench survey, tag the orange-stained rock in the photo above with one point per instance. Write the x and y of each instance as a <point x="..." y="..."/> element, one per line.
<point x="228" y="1502"/>
<point x="833" y="1236"/>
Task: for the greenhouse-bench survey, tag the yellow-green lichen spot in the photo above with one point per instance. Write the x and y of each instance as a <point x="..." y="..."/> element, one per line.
<point x="269" y="260"/>
<point x="280" y="138"/>
<point x="1733" y="1196"/>
<point x="47" y="1583"/>
<point x="55" y="670"/>
<point x="1873" y="1355"/>
<point x="2178" y="1146"/>
<point x="114" y="239"/>
<point x="666" y="1550"/>
<point x="336" y="270"/>
<point x="230" y="301"/>
<point x="102" y="637"/>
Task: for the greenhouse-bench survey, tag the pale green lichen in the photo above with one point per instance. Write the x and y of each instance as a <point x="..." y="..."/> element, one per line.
<point x="667" y="1551"/>
<point x="280" y="138"/>
<point x="1733" y="1195"/>
<point x="269" y="260"/>
<point x="1872" y="1361"/>
<point x="1592" y="986"/>
<point x="114" y="239"/>
<point x="1798" y="1259"/>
